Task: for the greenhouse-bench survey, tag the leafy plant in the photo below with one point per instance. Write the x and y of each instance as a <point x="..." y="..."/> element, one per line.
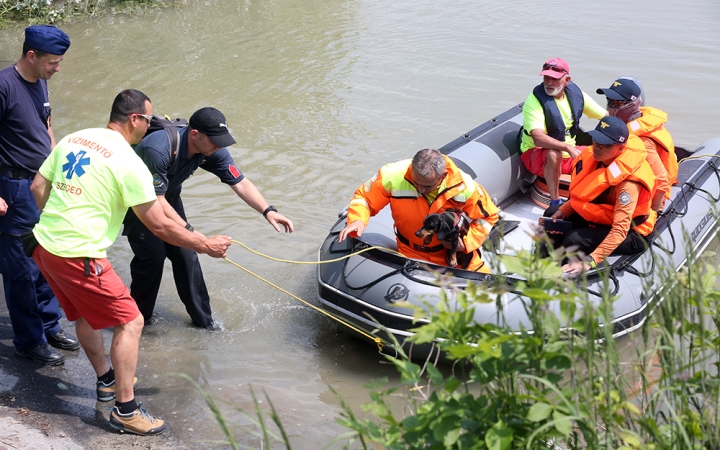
<point x="561" y="386"/>
<point x="56" y="11"/>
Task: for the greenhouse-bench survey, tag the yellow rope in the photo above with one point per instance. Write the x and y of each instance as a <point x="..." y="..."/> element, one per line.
<point x="698" y="157"/>
<point x="379" y="342"/>
<point x="314" y="262"/>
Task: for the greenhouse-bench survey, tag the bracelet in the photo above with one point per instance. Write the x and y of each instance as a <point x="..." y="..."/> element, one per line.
<point x="189" y="227"/>
<point x="268" y="209"/>
<point x="592" y="263"/>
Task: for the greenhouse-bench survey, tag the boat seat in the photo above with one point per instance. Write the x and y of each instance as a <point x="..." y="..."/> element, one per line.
<point x="541" y="196"/>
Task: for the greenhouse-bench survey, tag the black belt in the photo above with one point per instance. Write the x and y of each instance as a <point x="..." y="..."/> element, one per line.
<point x="418" y="248"/>
<point x="16" y="173"/>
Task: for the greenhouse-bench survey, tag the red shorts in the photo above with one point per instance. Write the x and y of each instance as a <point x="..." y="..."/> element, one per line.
<point x="534" y="159"/>
<point x="101" y="298"/>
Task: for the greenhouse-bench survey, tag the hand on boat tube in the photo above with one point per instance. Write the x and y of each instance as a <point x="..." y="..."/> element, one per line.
<point x="576" y="267"/>
<point x="354" y="229"/>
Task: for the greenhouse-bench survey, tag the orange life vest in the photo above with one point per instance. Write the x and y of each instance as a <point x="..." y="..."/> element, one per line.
<point x="652" y="125"/>
<point x="458" y="191"/>
<point x="589" y="182"/>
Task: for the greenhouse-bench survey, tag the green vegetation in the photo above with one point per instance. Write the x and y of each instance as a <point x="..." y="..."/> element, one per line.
<point x="29" y="12"/>
<point x="555" y="388"/>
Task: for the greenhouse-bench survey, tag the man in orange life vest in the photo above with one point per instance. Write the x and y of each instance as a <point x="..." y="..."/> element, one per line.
<point x="624" y="98"/>
<point x="611" y="193"/>
<point x="551" y="120"/>
<point x="430" y="183"/>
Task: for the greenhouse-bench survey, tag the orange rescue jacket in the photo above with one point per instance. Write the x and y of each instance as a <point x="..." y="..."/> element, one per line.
<point x="393" y="184"/>
<point x="651" y="125"/>
<point x="589" y="182"/>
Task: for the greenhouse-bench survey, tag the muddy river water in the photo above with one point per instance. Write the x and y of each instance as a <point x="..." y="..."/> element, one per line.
<point x="319" y="94"/>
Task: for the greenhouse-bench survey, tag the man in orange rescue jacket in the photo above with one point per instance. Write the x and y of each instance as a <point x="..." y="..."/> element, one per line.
<point x="611" y="193"/>
<point x="624" y="98"/>
<point x="430" y="183"/>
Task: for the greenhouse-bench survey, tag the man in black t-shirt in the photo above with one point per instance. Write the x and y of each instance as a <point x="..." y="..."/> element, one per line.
<point x="26" y="139"/>
<point x="202" y="144"/>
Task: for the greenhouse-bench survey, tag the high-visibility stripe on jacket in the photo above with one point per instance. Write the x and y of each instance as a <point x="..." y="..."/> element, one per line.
<point x="651" y="125"/>
<point x="393" y="185"/>
<point x="590" y="180"/>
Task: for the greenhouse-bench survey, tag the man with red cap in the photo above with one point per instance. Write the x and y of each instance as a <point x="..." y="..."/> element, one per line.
<point x="551" y="120"/>
<point x="26" y="139"/>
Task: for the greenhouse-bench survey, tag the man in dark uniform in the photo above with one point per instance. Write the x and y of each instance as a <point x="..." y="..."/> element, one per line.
<point x="26" y="139"/>
<point x="202" y="144"/>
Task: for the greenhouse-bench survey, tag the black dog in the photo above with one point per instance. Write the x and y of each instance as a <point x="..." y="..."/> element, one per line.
<point x="449" y="226"/>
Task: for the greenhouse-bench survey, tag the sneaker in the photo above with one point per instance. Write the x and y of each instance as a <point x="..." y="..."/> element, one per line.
<point x="106" y="392"/>
<point x="554" y="205"/>
<point x="136" y="422"/>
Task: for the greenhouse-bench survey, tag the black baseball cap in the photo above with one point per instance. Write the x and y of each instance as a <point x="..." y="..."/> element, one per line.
<point x="610" y="130"/>
<point x="211" y="122"/>
<point x="621" y="89"/>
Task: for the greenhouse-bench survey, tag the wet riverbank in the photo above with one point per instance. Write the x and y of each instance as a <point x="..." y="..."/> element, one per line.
<point x="56" y="407"/>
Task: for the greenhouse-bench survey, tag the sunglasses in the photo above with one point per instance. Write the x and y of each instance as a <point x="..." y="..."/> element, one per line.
<point x="605" y="147"/>
<point x="618" y="104"/>
<point x="554" y="68"/>
<point x="145" y="116"/>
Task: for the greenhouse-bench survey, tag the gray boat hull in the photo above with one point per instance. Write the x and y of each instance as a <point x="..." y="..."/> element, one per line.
<point x="364" y="289"/>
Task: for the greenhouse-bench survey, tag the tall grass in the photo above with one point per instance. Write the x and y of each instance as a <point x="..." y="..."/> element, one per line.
<point x="562" y="386"/>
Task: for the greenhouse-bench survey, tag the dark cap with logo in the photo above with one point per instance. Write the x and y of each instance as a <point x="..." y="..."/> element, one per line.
<point x="211" y="122"/>
<point x="610" y="130"/>
<point x="47" y="39"/>
<point x="622" y="89"/>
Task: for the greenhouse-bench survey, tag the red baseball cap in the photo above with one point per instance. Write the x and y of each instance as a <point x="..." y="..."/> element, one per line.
<point x="555" y="68"/>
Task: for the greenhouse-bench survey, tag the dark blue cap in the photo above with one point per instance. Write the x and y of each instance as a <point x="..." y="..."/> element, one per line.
<point x="622" y="89"/>
<point x="610" y="130"/>
<point x="47" y="39"/>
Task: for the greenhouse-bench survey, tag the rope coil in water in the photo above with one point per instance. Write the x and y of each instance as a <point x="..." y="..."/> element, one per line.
<point x="379" y="342"/>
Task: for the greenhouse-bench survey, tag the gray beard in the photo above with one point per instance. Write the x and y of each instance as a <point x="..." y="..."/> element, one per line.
<point x="552" y="92"/>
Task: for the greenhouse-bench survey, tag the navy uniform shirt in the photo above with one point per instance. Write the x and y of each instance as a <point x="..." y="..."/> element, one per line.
<point x="24" y="114"/>
<point x="155" y="151"/>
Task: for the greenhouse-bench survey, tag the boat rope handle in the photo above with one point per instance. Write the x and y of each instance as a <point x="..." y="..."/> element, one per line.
<point x="378" y="341"/>
<point x="706" y="155"/>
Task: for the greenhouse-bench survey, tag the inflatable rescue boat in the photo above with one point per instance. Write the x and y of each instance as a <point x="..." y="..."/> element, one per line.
<point x="364" y="289"/>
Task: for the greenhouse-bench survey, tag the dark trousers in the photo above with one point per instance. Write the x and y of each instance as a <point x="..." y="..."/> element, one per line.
<point x="33" y="308"/>
<point x="146" y="270"/>
<point x="587" y="238"/>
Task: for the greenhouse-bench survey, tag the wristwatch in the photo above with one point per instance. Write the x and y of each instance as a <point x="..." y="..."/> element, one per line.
<point x="592" y="263"/>
<point x="268" y="209"/>
<point x="189" y="227"/>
